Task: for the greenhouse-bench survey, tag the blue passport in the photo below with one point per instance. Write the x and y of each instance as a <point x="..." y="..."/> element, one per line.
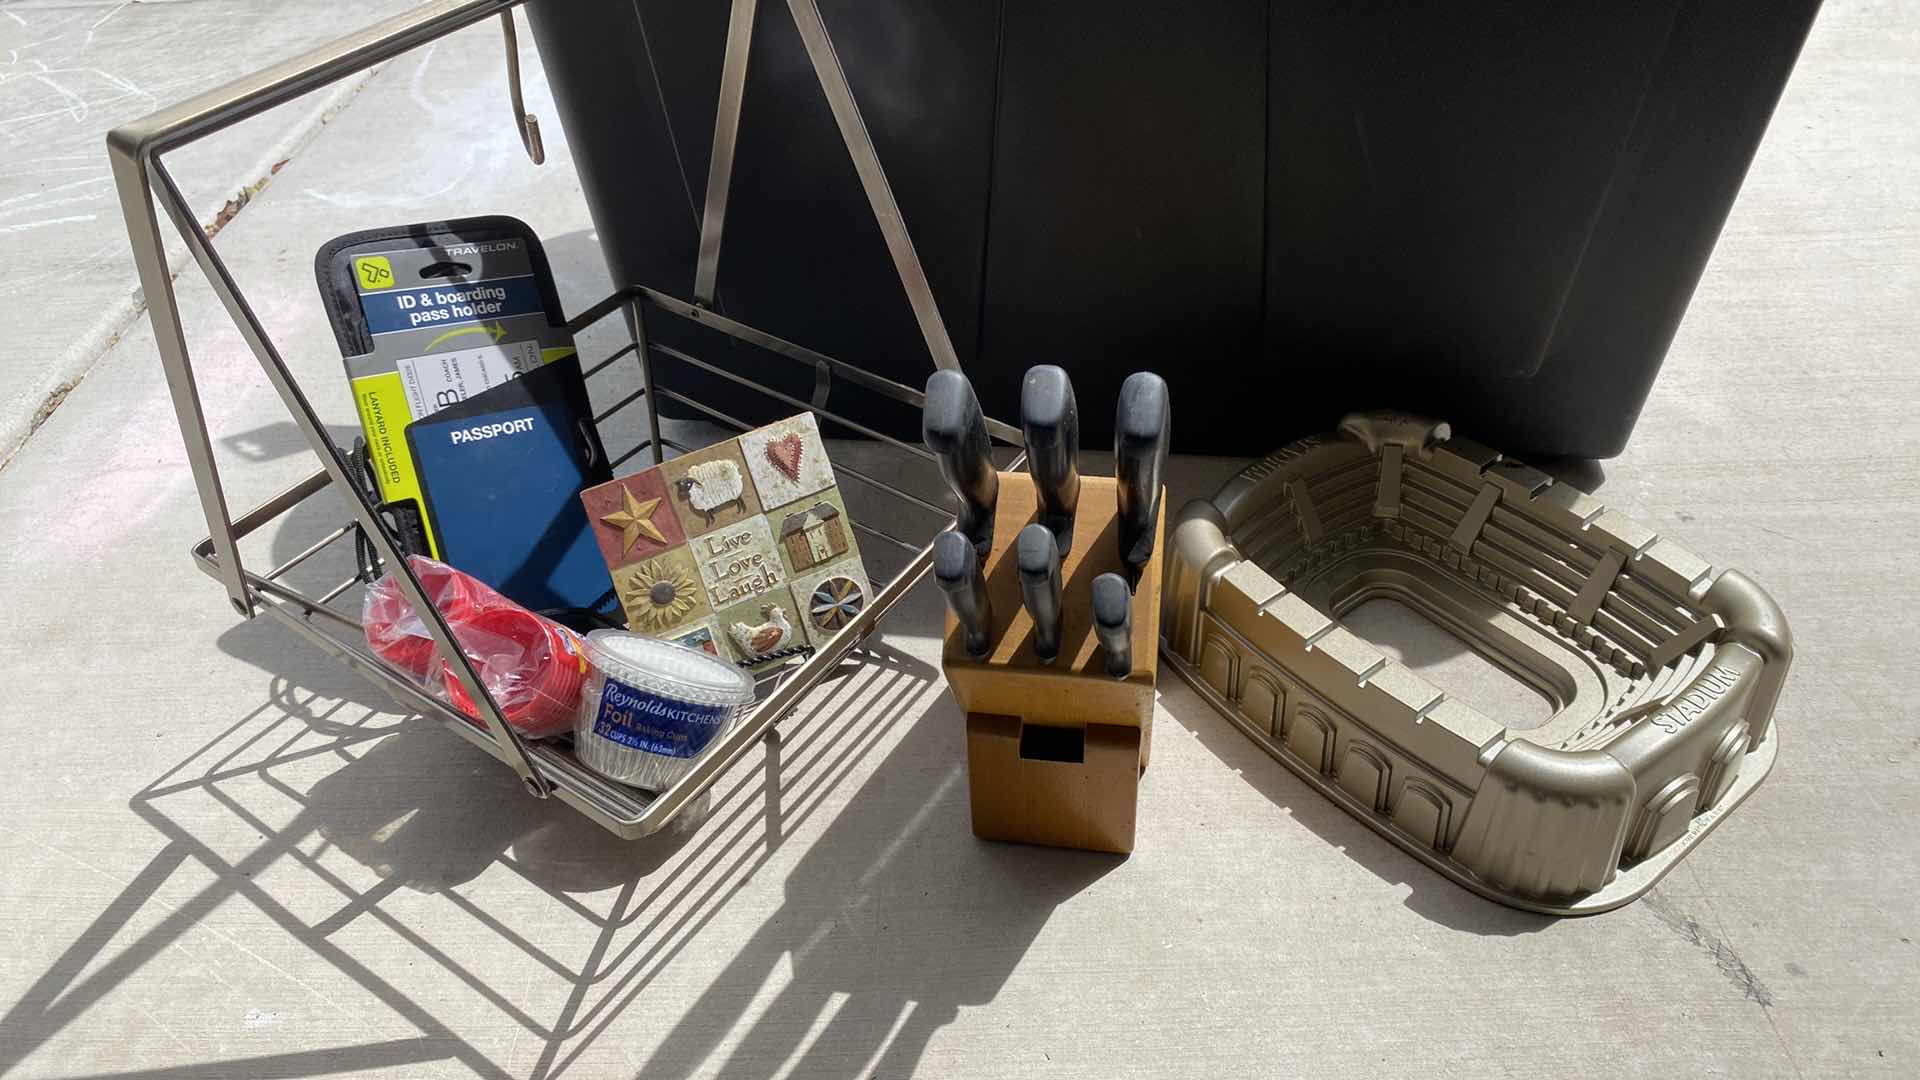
<point x="501" y="474"/>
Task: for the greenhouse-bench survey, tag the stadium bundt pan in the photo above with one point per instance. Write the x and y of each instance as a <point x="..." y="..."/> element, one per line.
<point x="1661" y="674"/>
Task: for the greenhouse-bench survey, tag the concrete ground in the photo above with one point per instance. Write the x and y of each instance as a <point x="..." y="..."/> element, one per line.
<point x="70" y="70"/>
<point x="225" y="856"/>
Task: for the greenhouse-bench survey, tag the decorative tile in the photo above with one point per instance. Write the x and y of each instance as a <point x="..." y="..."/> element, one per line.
<point x="762" y="624"/>
<point x="710" y="489"/>
<point x="738" y="562"/>
<point x="788" y="460"/>
<point x="703" y="520"/>
<point x="700" y="636"/>
<point x="631" y="518"/>
<point x="831" y="596"/>
<point x="662" y="592"/>
<point x="813" y="531"/>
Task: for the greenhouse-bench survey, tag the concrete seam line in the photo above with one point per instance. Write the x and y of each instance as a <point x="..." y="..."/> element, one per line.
<point x="78" y="361"/>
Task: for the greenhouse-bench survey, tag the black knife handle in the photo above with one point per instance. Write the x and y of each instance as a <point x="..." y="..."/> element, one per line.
<point x="1142" y="423"/>
<point x="1040" y="588"/>
<point x="956" y="566"/>
<point x="1113" y="622"/>
<point x="956" y="431"/>
<point x="1050" y="423"/>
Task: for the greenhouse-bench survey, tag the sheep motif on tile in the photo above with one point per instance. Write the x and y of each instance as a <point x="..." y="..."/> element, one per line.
<point x="712" y="486"/>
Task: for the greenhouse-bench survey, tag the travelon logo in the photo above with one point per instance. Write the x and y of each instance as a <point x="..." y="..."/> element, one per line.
<point x="488" y="431"/>
<point x="484" y="249"/>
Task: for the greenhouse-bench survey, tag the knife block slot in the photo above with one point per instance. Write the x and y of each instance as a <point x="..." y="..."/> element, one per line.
<point x="1044" y="742"/>
<point x="1055" y="751"/>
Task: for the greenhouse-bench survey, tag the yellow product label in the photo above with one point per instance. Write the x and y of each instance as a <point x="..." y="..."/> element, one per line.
<point x="384" y="416"/>
<point x="548" y="356"/>
<point x="374" y="272"/>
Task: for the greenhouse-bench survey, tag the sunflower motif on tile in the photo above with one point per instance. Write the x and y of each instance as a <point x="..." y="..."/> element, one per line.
<point x="659" y="593"/>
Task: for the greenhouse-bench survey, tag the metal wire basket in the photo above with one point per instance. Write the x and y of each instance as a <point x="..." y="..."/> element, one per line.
<point x="329" y="618"/>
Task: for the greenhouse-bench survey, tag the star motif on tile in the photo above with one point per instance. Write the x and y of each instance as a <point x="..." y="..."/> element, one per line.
<point x="635" y="520"/>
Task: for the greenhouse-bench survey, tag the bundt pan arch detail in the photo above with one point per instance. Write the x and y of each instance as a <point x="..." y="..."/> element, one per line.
<point x="1662" y="673"/>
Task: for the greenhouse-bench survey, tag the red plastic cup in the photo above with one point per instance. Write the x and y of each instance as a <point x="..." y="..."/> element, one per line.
<point x="533" y="666"/>
<point x="457" y="596"/>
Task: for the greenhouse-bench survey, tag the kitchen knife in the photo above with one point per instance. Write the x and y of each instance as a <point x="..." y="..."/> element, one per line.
<point x="956" y="566"/>
<point x="1040" y="587"/>
<point x="1113" y="622"/>
<point x="1142" y="421"/>
<point x="956" y="431"/>
<point x="1050" y="423"/>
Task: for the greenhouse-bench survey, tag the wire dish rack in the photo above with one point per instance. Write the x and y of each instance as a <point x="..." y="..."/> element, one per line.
<point x="329" y="618"/>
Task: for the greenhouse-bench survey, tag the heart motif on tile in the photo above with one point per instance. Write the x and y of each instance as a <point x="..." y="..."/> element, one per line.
<point x="785" y="453"/>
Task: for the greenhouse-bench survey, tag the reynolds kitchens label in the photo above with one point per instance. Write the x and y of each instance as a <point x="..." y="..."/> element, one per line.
<point x="643" y="720"/>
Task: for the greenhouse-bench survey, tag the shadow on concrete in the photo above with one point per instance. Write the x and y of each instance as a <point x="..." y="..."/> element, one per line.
<point x="863" y="935"/>
<point x="298" y="672"/>
<point x="427" y="813"/>
<point x="1431" y="896"/>
<point x="413" y="813"/>
<point x="270" y="442"/>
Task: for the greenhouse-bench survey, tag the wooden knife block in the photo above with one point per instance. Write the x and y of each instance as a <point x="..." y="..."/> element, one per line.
<point x="1055" y="751"/>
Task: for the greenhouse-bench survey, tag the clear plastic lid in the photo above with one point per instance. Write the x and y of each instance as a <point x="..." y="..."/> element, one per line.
<point x="676" y="671"/>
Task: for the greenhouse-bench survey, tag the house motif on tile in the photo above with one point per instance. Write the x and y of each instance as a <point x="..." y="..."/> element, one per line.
<point x="817" y="536"/>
